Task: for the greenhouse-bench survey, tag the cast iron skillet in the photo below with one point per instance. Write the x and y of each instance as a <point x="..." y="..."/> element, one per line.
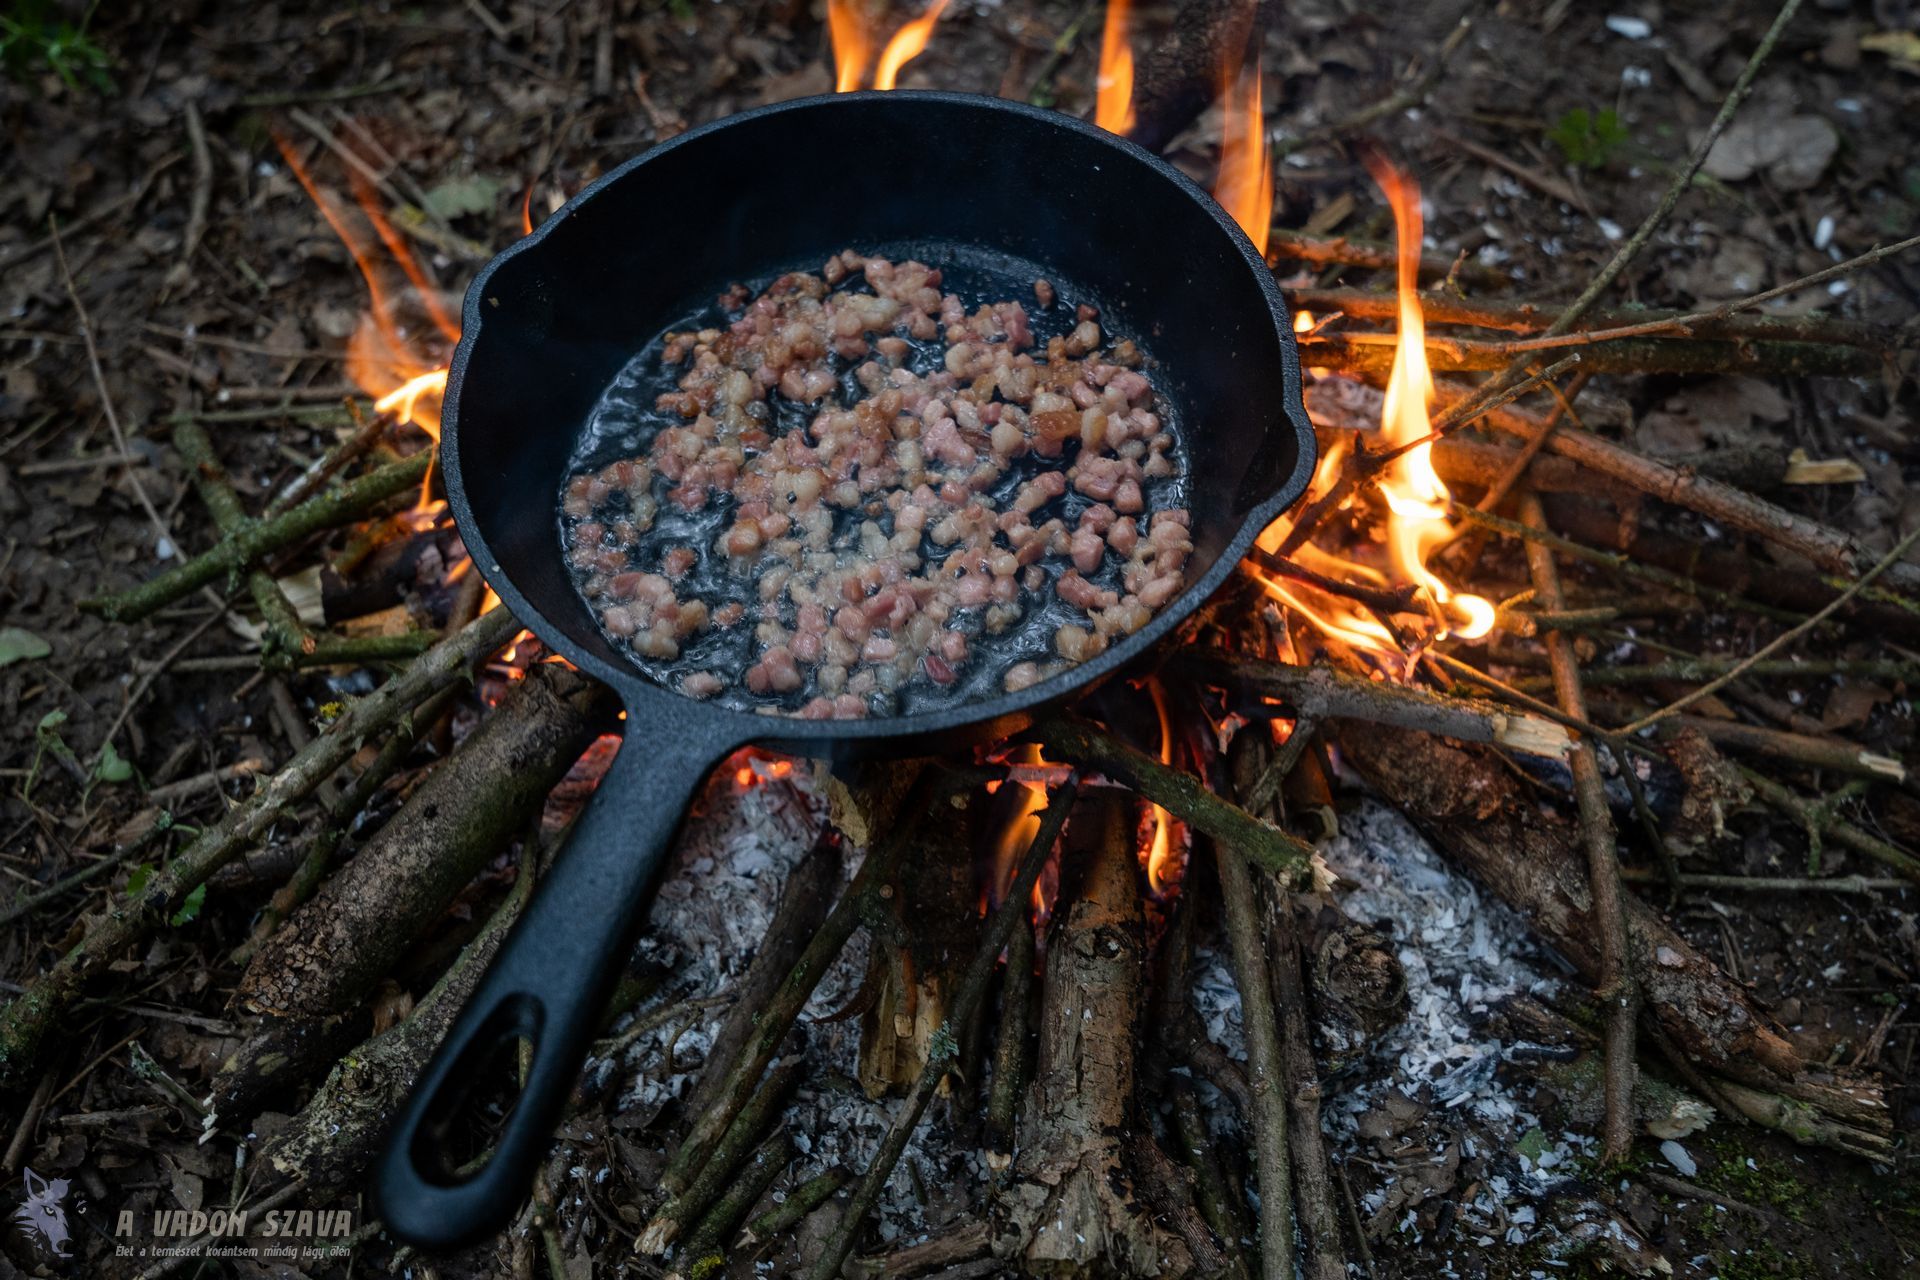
<point x="549" y="323"/>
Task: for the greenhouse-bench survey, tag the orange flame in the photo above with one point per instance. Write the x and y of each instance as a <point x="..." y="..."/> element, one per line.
<point x="1160" y="856"/>
<point x="1416" y="498"/>
<point x="906" y="45"/>
<point x="1414" y="491"/>
<point x="852" y="46"/>
<point x="1113" y="101"/>
<point x="1030" y="799"/>
<point x="1244" y="187"/>
<point x="850" y="29"/>
<point x="383" y="356"/>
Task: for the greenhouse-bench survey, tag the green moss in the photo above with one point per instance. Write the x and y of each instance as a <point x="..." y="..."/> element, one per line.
<point x="1757" y="1179"/>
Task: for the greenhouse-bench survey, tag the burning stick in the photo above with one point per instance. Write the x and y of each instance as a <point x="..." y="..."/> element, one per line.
<point x="1184" y="796"/>
<point x="28" y="1018"/>
<point x="1322" y="693"/>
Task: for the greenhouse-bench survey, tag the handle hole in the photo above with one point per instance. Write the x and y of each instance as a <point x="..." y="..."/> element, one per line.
<point x="477" y="1095"/>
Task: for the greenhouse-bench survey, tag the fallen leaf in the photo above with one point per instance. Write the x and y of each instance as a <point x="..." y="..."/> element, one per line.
<point x="20" y="645"/>
<point x="457" y="197"/>
<point x="1793" y="151"/>
<point x="1901" y="46"/>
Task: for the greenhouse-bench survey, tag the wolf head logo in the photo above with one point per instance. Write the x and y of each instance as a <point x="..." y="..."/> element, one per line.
<point x="42" y="1216"/>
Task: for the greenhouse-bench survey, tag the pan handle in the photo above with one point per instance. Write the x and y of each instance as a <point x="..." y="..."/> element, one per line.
<point x="549" y="983"/>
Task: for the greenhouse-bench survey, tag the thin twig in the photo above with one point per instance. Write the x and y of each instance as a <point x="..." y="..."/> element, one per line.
<point x="1617" y="990"/>
<point x="1778" y="642"/>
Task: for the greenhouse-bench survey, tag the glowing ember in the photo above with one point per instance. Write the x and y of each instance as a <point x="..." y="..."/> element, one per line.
<point x="1113" y="105"/>
<point x="1245" y="185"/>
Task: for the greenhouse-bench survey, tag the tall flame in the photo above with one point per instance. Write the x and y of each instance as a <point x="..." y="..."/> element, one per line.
<point x="1415" y="494"/>
<point x="850" y="28"/>
<point x="1022" y="827"/>
<point x="1416" y="497"/>
<point x="1113" y="102"/>
<point x="847" y="29"/>
<point x="1245" y="185"/>
<point x="906" y="45"/>
<point x="383" y="355"/>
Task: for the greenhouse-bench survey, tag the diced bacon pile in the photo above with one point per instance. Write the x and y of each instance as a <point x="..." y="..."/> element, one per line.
<point x="953" y="478"/>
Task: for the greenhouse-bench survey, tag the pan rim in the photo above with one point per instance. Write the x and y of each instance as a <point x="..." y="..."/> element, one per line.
<point x="638" y="691"/>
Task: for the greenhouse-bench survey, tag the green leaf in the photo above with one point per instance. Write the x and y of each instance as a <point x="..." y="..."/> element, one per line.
<point x="1588" y="139"/>
<point x="49" y="726"/>
<point x="190" y="908"/>
<point x="20" y="645"/>
<point x="456" y="197"/>
<point x="1532" y="1144"/>
<point x="138" y="880"/>
<point x="112" y="767"/>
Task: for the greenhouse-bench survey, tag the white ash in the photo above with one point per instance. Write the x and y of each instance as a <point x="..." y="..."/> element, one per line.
<point x="1462" y="954"/>
<point x="715" y="905"/>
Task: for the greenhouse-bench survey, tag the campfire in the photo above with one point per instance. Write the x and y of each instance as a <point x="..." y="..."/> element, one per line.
<point x="1350" y="913"/>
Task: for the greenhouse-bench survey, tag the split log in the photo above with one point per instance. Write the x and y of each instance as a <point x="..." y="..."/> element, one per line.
<point x="333" y="952"/>
<point x="1073" y="1209"/>
<point x="1477" y="812"/>
<point x="919" y="970"/>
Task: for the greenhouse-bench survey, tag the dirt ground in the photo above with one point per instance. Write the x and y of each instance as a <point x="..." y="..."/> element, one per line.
<point x="215" y="288"/>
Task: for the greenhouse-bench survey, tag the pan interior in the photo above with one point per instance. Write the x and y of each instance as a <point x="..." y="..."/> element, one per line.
<point x="552" y="326"/>
<point x="624" y="423"/>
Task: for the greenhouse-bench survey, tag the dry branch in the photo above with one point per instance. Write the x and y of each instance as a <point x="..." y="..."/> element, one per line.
<point x="1443" y="307"/>
<point x="248" y="546"/>
<point x="1830" y="548"/>
<point x="1615" y="987"/>
<point x="1354" y="353"/>
<point x="332" y="952"/>
<point x="1179" y="793"/>
<point x="28" y="1018"/>
<point x="1266" y="1070"/>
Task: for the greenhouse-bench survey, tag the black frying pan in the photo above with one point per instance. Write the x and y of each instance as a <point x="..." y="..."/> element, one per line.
<point x="549" y="323"/>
